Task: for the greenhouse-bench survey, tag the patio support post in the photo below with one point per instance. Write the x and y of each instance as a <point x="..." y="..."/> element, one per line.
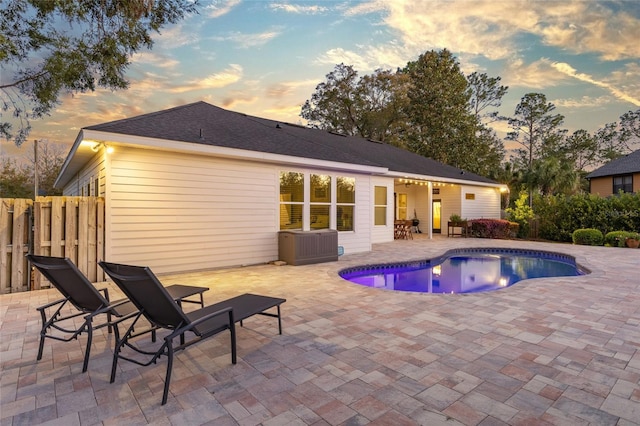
<point x="430" y="209"/>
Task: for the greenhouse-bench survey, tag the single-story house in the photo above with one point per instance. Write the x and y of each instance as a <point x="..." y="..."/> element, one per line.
<point x="198" y="187"/>
<point x="621" y="174"/>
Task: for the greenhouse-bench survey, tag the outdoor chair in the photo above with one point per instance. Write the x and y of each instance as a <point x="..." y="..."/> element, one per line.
<point x="78" y="291"/>
<point x="153" y="302"/>
<point x="63" y="274"/>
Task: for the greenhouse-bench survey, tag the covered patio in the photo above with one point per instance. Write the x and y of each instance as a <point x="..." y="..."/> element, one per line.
<point x="544" y="351"/>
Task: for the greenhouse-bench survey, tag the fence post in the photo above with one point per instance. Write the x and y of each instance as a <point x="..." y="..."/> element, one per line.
<point x="20" y="227"/>
<point x="5" y="225"/>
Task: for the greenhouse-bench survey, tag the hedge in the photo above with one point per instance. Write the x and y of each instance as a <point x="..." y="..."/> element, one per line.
<point x="558" y="216"/>
<point x="493" y="228"/>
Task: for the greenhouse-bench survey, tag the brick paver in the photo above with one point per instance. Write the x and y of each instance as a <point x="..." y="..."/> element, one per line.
<point x="545" y="351"/>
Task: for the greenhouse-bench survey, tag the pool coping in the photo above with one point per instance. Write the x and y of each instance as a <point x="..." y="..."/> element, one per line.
<point x="421" y="263"/>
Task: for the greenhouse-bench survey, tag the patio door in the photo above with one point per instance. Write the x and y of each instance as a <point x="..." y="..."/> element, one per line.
<point x="437" y="223"/>
<point x="401" y="206"/>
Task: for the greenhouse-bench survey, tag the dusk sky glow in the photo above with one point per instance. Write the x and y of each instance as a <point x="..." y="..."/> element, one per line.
<point x="265" y="58"/>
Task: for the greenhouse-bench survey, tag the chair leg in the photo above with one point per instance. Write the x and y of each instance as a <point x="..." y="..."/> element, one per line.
<point x="41" y="347"/>
<point x="169" y="368"/>
<point x="232" y="331"/>
<point x="279" y="321"/>
<point x="119" y="344"/>
<point x="43" y="333"/>
<point x="87" y="350"/>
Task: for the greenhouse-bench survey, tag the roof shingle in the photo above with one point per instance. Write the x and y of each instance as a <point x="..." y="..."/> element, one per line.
<point x="202" y="123"/>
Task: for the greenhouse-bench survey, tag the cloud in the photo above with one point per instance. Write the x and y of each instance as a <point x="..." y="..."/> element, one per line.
<point x="582" y="102"/>
<point x="220" y="8"/>
<point x="250" y="40"/>
<point x="238" y="98"/>
<point x="183" y="34"/>
<point x="283" y="89"/>
<point x="590" y="27"/>
<point x="298" y="9"/>
<point x="567" y="69"/>
<point x="500" y="30"/>
<point x="339" y="55"/>
<point x="156" y="59"/>
<point x="539" y="74"/>
<point x="224" y="78"/>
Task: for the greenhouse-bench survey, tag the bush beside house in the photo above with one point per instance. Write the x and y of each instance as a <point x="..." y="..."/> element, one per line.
<point x="588" y="237"/>
<point x="559" y="216"/>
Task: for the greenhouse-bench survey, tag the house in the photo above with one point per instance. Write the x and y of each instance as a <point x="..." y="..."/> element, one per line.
<point x="621" y="174"/>
<point x="199" y="187"/>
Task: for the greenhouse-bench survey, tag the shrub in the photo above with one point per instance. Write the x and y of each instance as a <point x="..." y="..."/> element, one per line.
<point x="588" y="237"/>
<point x="521" y="214"/>
<point x="493" y="228"/>
<point x="615" y="238"/>
<point x="455" y="218"/>
<point x="560" y="215"/>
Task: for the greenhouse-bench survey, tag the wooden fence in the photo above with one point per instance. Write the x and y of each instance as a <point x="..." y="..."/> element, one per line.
<point x="70" y="227"/>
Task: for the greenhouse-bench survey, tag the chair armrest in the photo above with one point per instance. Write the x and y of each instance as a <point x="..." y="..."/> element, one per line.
<point x="107" y="308"/>
<point x="106" y="293"/>
<point x="193" y="324"/>
<point x="48" y="305"/>
<point x="126" y="317"/>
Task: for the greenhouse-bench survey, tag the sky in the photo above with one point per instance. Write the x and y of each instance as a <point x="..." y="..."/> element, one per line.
<point x="265" y="58"/>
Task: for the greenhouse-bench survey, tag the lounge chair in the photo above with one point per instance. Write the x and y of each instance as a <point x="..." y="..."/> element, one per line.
<point x="145" y="290"/>
<point x="89" y="301"/>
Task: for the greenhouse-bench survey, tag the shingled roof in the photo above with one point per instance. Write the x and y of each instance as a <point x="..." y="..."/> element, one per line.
<point x="627" y="164"/>
<point x="203" y="123"/>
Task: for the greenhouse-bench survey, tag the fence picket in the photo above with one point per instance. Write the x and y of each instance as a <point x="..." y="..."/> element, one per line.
<point x="62" y="226"/>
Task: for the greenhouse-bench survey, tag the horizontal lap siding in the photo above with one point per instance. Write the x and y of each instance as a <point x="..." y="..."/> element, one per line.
<point x="179" y="212"/>
<point x="360" y="239"/>
<point x="485" y="205"/>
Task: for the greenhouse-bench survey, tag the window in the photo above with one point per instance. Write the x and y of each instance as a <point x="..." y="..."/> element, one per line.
<point x="380" y="205"/>
<point x="320" y="205"/>
<point x="402" y="207"/>
<point x="623" y="183"/>
<point x="345" y="202"/>
<point x="291" y="200"/>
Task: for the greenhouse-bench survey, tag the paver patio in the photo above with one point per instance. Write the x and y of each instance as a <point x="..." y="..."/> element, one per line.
<point x="562" y="351"/>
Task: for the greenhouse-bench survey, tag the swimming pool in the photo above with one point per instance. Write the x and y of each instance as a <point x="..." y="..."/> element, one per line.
<point x="465" y="271"/>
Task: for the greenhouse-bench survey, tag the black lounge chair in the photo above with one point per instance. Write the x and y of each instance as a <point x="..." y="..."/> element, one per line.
<point x="78" y="290"/>
<point x="145" y="290"/>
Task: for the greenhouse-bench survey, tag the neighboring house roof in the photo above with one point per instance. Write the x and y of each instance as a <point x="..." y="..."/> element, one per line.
<point x="627" y="164"/>
<point x="205" y="124"/>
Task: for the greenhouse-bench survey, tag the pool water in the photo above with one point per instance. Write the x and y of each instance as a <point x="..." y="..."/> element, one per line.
<point x="465" y="271"/>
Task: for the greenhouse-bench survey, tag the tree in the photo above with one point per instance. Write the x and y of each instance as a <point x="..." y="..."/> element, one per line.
<point x="485" y="92"/>
<point x="50" y="160"/>
<point x="18" y="181"/>
<point x="369" y="107"/>
<point x="424" y="108"/>
<point x="539" y="133"/>
<point x="630" y="129"/>
<point x="552" y="175"/>
<point x="15" y="181"/>
<point x="581" y="149"/>
<point x="66" y="46"/>
<point x="440" y="124"/>
<point x="535" y="128"/>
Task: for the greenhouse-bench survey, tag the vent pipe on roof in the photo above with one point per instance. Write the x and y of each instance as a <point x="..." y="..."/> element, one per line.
<point x="201" y="134"/>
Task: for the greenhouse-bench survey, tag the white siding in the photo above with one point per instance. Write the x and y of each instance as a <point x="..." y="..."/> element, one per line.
<point x="451" y="203"/>
<point x="94" y="169"/>
<point x="486" y="204"/>
<point x="179" y="212"/>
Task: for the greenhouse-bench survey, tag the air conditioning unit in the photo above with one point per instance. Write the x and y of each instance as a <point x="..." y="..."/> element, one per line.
<point x="306" y="247"/>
